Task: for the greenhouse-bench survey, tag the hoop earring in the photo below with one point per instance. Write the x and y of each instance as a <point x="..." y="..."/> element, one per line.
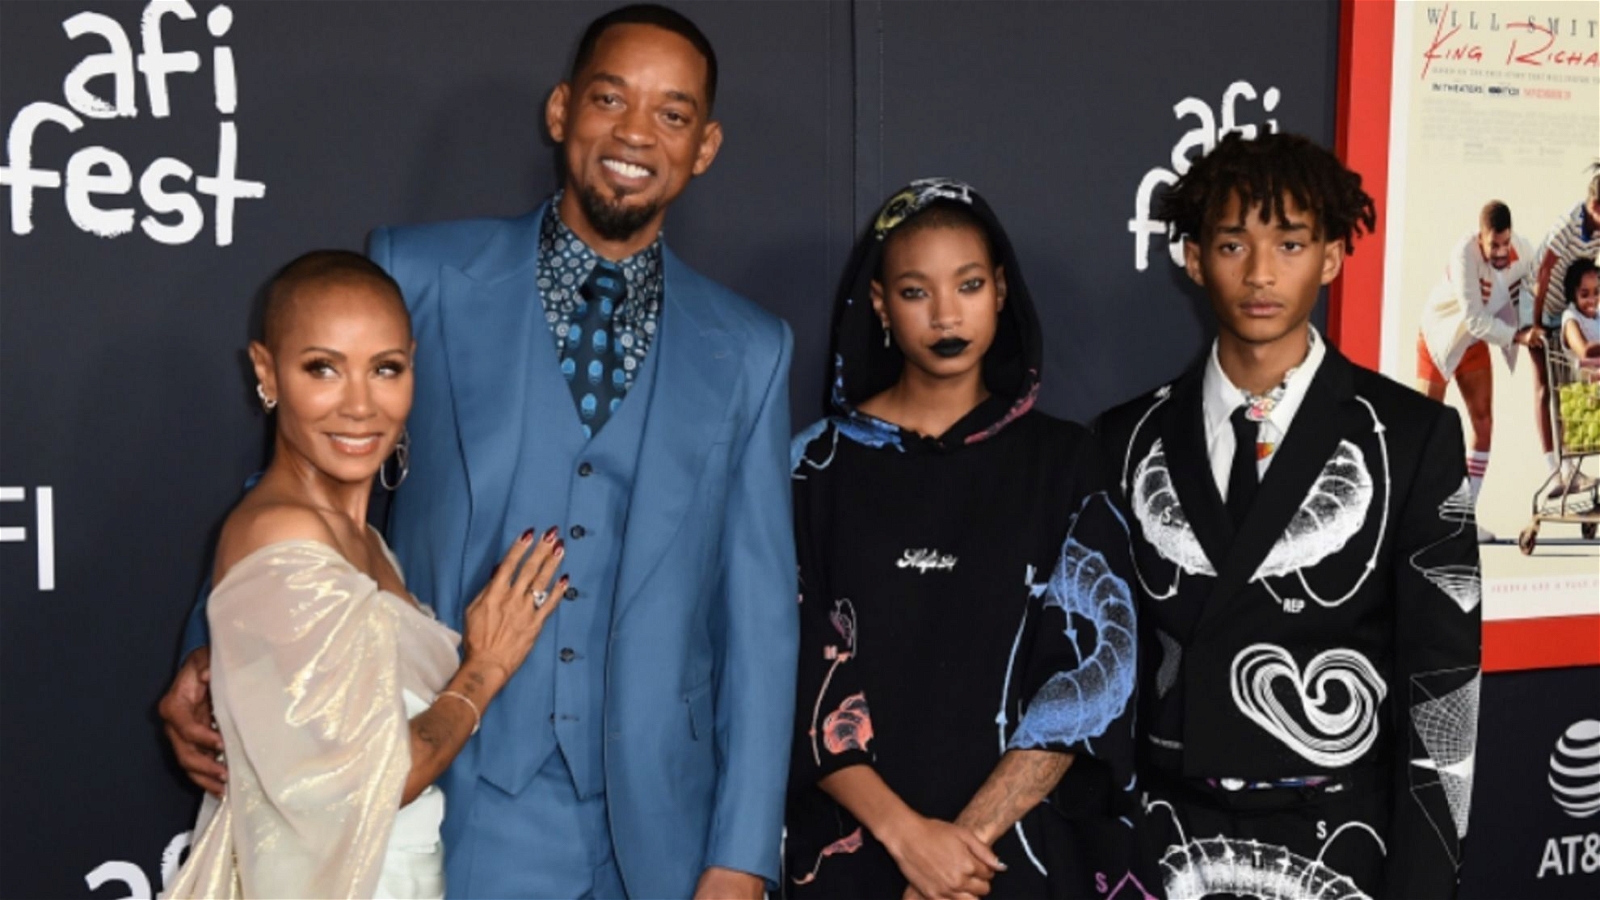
<point x="402" y="457"/>
<point x="268" y="404"/>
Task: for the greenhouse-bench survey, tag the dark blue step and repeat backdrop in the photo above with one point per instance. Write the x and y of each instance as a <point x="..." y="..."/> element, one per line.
<point x="162" y="158"/>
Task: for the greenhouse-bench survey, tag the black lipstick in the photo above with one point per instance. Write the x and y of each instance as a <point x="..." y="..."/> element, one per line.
<point x="950" y="347"/>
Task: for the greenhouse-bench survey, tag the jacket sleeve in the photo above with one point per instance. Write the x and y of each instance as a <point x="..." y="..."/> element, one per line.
<point x="755" y="633"/>
<point x="1485" y="326"/>
<point x="196" y="631"/>
<point x="832" y="720"/>
<point x="1434" y="682"/>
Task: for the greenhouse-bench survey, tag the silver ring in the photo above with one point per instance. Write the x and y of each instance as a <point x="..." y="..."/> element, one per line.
<point x="539" y="597"/>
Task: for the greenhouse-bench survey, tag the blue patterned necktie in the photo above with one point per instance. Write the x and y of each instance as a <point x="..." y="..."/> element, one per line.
<point x="592" y="369"/>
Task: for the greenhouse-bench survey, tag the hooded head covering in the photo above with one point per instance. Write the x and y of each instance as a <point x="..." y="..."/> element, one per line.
<point x="863" y="367"/>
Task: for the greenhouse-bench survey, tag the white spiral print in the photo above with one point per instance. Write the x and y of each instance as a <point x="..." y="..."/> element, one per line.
<point x="1333" y="738"/>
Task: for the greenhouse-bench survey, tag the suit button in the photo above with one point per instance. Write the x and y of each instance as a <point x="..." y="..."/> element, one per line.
<point x="571" y="593"/>
<point x="577" y="531"/>
<point x="567" y="653"/>
<point x="585" y="470"/>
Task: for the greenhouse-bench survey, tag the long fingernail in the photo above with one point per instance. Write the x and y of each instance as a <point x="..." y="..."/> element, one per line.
<point x="525" y="535"/>
<point x="551" y="534"/>
<point x="561" y="547"/>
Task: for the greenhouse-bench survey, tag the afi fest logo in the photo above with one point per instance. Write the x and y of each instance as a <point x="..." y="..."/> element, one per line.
<point x="133" y="878"/>
<point x="43" y="532"/>
<point x="1575" y="786"/>
<point x="96" y="182"/>
<point x="1202" y="137"/>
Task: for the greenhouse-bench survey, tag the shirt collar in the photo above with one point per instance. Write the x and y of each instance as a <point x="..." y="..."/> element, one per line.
<point x="1222" y="397"/>
<point x="642" y="270"/>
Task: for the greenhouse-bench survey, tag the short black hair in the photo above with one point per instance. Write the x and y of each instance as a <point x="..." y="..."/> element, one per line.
<point x="1262" y="171"/>
<point x="1578" y="268"/>
<point x="1494" y="218"/>
<point x="320" y="267"/>
<point x="938" y="214"/>
<point x="649" y="14"/>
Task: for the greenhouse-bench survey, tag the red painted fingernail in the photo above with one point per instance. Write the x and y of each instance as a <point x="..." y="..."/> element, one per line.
<point x="551" y="534"/>
<point x="526" y="534"/>
<point x="561" y="547"/>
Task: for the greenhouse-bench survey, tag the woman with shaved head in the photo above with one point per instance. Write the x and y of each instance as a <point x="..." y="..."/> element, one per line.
<point x="339" y="697"/>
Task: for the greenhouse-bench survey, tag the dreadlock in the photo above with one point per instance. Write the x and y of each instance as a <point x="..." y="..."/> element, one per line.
<point x="1263" y="171"/>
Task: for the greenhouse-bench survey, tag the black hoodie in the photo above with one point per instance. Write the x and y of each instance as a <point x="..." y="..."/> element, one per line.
<point x="961" y="595"/>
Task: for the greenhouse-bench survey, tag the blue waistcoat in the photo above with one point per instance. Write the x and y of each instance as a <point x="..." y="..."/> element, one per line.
<point x="596" y="479"/>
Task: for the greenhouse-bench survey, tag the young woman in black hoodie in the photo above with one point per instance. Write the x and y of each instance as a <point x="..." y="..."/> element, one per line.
<point x="964" y="720"/>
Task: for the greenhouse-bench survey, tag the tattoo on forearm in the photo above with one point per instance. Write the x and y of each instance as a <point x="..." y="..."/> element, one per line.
<point x="1016" y="785"/>
<point x="427" y="735"/>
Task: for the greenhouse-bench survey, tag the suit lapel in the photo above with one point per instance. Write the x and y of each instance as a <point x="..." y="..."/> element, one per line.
<point x="1183" y="435"/>
<point x="491" y="316"/>
<point x="694" y="383"/>
<point x="1328" y="413"/>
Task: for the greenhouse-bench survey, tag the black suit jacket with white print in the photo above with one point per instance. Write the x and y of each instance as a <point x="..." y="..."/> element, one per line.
<point x="1338" y="631"/>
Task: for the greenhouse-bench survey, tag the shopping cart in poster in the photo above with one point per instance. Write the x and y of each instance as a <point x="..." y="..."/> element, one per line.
<point x="1575" y="422"/>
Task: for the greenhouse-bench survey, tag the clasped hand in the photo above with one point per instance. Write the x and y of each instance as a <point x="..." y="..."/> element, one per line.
<point x="941" y="860"/>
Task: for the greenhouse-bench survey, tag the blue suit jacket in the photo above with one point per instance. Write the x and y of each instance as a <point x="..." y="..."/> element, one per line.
<point x="700" y="673"/>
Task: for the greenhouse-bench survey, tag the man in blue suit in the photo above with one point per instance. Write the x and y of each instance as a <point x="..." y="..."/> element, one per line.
<point x="571" y="369"/>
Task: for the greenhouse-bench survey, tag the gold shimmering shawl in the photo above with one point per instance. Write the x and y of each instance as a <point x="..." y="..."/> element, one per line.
<point x="306" y="687"/>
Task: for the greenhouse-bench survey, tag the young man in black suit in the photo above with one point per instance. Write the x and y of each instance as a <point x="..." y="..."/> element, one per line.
<point x="1308" y="568"/>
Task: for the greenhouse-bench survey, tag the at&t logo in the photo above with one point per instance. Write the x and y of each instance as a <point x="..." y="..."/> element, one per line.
<point x="1575" y="787"/>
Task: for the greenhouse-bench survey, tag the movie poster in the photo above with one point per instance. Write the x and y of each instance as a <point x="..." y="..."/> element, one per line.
<point x="1499" y="103"/>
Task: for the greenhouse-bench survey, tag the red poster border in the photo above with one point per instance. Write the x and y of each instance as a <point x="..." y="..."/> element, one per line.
<point x="1355" y="300"/>
<point x="1366" y="60"/>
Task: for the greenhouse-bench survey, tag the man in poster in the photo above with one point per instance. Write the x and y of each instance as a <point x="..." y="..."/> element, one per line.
<point x="1477" y="304"/>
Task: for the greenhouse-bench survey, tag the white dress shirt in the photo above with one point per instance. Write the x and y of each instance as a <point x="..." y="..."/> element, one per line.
<point x="1222" y="397"/>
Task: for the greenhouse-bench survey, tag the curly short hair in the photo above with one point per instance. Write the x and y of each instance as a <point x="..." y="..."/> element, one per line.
<point x="1263" y="171"/>
<point x="1573" y="278"/>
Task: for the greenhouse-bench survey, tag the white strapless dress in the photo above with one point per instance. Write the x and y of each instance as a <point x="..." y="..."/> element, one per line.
<point x="413" y="864"/>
